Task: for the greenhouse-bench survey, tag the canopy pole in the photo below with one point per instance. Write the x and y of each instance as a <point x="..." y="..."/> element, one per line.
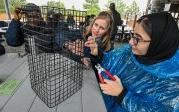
<point x="6" y="3"/>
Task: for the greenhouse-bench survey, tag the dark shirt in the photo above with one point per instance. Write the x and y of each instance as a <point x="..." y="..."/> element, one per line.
<point x="116" y="22"/>
<point x="14" y="35"/>
<point x="94" y="59"/>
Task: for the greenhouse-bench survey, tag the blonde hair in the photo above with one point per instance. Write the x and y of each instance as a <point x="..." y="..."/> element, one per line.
<point x="106" y="40"/>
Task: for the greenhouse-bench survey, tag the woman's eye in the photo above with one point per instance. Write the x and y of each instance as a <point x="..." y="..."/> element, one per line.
<point x="95" y="24"/>
<point x="102" y="28"/>
<point x="137" y="36"/>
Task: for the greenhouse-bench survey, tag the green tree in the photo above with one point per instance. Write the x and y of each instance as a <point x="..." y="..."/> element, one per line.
<point x="2" y="7"/>
<point x="16" y="3"/>
<point x="92" y="7"/>
<point x="120" y="5"/>
<point x="55" y="4"/>
<point x="133" y="8"/>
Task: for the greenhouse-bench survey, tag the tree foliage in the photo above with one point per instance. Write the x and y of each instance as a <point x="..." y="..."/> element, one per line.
<point x="133" y="8"/>
<point x="122" y="8"/>
<point x="120" y="5"/>
<point x="2" y="7"/>
<point x="55" y="4"/>
<point x="16" y="3"/>
<point x="92" y="7"/>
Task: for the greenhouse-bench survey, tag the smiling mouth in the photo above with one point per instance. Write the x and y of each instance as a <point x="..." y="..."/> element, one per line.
<point x="95" y="34"/>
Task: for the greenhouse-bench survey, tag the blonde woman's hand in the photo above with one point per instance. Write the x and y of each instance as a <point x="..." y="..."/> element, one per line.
<point x="113" y="88"/>
<point x="86" y="62"/>
<point x="91" y="43"/>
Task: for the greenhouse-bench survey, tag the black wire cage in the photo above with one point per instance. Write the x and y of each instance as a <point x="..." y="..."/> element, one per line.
<point x="53" y="41"/>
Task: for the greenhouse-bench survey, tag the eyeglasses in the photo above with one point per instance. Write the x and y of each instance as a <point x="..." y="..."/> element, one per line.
<point x="137" y="39"/>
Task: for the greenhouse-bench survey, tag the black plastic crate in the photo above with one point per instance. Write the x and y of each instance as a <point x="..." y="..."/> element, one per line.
<point x="55" y="69"/>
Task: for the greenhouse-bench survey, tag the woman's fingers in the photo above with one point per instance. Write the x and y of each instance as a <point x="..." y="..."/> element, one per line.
<point x="86" y="61"/>
<point x="117" y="78"/>
<point x="90" y="44"/>
<point x="105" y="92"/>
<point x="93" y="47"/>
<point x="108" y="81"/>
<point x="110" y="87"/>
<point x="90" y="38"/>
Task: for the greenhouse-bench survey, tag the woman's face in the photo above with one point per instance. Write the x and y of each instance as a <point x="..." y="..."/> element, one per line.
<point x="99" y="28"/>
<point x="140" y="42"/>
<point x="33" y="18"/>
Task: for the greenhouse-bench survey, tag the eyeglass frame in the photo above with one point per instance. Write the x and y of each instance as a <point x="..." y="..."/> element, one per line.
<point x="136" y="39"/>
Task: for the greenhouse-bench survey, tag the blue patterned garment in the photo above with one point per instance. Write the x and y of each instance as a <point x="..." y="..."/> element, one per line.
<point x="151" y="88"/>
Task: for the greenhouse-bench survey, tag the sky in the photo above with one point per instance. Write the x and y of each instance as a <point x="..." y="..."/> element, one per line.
<point x="79" y="3"/>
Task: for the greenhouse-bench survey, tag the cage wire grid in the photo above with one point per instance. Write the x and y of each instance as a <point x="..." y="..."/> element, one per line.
<point x="53" y="37"/>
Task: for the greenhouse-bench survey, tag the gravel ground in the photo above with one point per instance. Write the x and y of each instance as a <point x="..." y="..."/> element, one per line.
<point x="10" y="49"/>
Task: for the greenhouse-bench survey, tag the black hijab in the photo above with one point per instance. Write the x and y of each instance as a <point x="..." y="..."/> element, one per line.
<point x="164" y="38"/>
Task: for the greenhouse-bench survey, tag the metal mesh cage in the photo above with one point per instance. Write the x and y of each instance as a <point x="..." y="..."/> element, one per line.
<point x="53" y="39"/>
